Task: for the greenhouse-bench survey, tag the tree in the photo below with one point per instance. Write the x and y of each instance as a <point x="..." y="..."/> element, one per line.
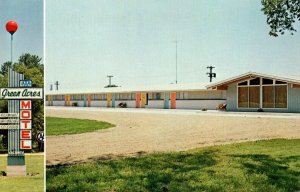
<point x="33" y="69"/>
<point x="4" y="67"/>
<point x="281" y="15"/>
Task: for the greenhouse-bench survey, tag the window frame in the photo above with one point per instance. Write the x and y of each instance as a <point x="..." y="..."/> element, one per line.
<point x="261" y="85"/>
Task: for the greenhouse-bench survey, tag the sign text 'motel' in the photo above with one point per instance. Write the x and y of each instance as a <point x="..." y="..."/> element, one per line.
<point x="21" y="93"/>
<point x="25" y="124"/>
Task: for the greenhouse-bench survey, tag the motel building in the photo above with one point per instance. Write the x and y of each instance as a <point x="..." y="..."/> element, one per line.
<point x="247" y="92"/>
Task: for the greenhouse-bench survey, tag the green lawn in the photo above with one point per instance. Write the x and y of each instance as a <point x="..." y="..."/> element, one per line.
<point x="272" y="165"/>
<point x="61" y="126"/>
<point x="34" y="183"/>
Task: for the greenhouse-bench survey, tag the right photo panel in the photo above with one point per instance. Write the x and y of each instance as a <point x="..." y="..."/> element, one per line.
<point x="149" y="95"/>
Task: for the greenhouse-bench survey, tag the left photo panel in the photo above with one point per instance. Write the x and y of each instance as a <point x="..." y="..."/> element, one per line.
<point x="21" y="95"/>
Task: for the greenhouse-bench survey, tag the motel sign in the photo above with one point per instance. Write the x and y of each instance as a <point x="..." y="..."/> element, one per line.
<point x="18" y="120"/>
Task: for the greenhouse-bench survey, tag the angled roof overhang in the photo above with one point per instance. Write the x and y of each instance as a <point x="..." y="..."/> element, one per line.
<point x="223" y="85"/>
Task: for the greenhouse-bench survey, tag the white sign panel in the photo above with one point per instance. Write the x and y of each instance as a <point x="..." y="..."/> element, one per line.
<point x="9" y="126"/>
<point x="9" y="120"/>
<point x="25" y="124"/>
<point x="21" y="93"/>
<point x="9" y="115"/>
<point x="25" y="144"/>
<point x="25" y="134"/>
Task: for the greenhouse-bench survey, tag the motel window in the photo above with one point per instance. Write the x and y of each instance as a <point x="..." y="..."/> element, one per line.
<point x="185" y="95"/>
<point x="243" y="96"/>
<point x="180" y="95"/>
<point x="121" y="96"/>
<point x="275" y="96"/>
<point x="132" y="96"/>
<point x="249" y="93"/>
<point x="274" y="93"/>
<point x="150" y="96"/>
<point x="177" y="95"/>
<point x="243" y="83"/>
<point x="267" y="81"/>
<point x="268" y="97"/>
<point x="124" y="96"/>
<point x="281" y="96"/>
<point x="97" y="97"/>
<point x="157" y="96"/>
<point x="195" y="95"/>
<point x="254" y="97"/>
<point x="280" y="83"/>
<point x="154" y="96"/>
<point x="255" y="81"/>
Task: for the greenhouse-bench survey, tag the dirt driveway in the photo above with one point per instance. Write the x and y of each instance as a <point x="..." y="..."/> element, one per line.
<point x="136" y="133"/>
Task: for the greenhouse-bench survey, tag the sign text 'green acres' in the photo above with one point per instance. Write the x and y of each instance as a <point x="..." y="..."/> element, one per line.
<point x="21" y="93"/>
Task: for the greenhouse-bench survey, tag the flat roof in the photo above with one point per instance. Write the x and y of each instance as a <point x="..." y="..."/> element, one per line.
<point x="177" y="87"/>
<point x="161" y="88"/>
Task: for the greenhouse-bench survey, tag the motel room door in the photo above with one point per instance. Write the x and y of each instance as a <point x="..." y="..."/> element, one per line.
<point x="143" y="98"/>
<point x="167" y="100"/>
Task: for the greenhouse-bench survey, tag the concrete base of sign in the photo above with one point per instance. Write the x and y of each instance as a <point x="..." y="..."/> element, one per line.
<point x="15" y="160"/>
<point x="16" y="170"/>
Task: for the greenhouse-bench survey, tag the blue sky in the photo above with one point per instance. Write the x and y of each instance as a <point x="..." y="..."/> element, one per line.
<point x="134" y="41"/>
<point x="29" y="36"/>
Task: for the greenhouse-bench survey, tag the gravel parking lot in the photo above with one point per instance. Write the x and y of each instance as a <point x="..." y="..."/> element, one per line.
<point x="141" y="131"/>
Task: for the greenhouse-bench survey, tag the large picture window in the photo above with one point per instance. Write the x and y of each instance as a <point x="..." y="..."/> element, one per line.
<point x="268" y="97"/>
<point x="281" y="96"/>
<point x="275" y="96"/>
<point x="254" y="97"/>
<point x="249" y="93"/>
<point x="243" y="96"/>
<point x="272" y="93"/>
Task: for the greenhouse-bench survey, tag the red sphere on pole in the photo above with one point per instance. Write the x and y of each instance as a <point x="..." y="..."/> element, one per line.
<point x="11" y="27"/>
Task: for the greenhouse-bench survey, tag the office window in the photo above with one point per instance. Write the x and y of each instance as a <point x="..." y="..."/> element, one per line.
<point x="243" y="97"/>
<point x="254" y="97"/>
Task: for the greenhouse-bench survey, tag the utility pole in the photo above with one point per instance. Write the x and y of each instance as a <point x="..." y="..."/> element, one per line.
<point x="176" y="42"/>
<point x="211" y="74"/>
<point x="109" y="77"/>
<point x="56" y="84"/>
